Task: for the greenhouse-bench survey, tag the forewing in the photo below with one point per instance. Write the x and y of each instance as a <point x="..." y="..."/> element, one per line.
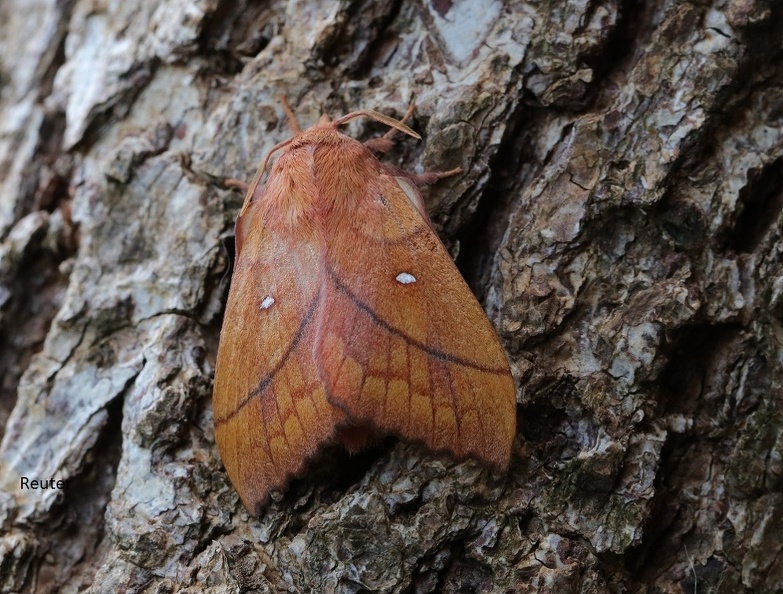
<point x="270" y="407"/>
<point x="402" y="342"/>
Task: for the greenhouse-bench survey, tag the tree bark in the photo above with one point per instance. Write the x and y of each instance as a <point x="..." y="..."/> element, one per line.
<point x="619" y="215"/>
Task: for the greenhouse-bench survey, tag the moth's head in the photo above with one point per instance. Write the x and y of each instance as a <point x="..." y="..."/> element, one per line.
<point x="324" y="131"/>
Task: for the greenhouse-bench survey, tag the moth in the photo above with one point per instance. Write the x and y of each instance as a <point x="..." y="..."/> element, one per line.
<point x="347" y="318"/>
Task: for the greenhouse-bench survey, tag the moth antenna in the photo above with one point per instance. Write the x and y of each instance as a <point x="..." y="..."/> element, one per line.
<point x="259" y="172"/>
<point x="378" y="117"/>
<point x="386" y="142"/>
<point x="390" y="134"/>
<point x="290" y="115"/>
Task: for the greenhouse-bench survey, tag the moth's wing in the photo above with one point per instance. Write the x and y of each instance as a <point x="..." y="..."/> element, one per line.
<point x="402" y="343"/>
<point x="270" y="407"/>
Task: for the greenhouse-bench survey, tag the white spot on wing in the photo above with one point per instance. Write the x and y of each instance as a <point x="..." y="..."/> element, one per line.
<point x="405" y="278"/>
<point x="267" y="302"/>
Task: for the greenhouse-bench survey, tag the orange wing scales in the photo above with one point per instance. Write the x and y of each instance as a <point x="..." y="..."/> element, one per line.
<point x="270" y="407"/>
<point x="265" y="381"/>
<point x="430" y="351"/>
<point x="346" y="316"/>
<point x="435" y="398"/>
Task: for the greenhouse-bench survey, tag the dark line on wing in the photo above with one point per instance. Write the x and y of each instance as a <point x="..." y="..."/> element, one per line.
<point x="265" y="381"/>
<point x="431" y="399"/>
<point x="432" y="352"/>
<point x="454" y="404"/>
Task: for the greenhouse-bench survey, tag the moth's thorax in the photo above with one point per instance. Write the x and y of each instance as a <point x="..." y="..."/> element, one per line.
<point x="320" y="172"/>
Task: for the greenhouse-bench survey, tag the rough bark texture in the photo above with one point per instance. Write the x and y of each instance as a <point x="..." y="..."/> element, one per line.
<point x="620" y="215"/>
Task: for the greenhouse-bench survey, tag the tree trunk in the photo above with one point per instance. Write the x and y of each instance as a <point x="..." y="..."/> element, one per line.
<point x="619" y="215"/>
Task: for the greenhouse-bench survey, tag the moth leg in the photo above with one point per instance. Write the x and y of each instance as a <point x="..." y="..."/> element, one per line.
<point x="385" y="142"/>
<point x="236" y="184"/>
<point x="289" y="114"/>
<point x="294" y="124"/>
<point x="408" y="114"/>
<point x="432" y="177"/>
